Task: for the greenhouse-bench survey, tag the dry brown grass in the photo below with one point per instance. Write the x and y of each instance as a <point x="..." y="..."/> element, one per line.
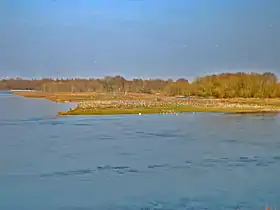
<point x="86" y="96"/>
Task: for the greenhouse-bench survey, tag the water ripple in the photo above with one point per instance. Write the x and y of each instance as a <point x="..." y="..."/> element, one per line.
<point x="158" y="166"/>
<point x="164" y="135"/>
<point x="82" y="124"/>
<point x="205" y="163"/>
<point x="52" y="123"/>
<point x="237" y="162"/>
<point x="181" y="204"/>
<point x="69" y="173"/>
<point x="117" y="169"/>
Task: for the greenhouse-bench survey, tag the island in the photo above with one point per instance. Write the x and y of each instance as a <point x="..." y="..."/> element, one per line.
<point x="227" y="93"/>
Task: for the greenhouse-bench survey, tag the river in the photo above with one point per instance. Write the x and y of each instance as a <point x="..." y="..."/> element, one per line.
<point x="132" y="162"/>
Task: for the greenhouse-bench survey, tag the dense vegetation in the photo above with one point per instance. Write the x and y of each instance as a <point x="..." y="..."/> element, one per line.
<point x="226" y="85"/>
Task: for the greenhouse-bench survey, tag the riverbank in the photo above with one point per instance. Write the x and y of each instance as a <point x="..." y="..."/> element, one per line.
<point x="138" y="103"/>
<point x="86" y="96"/>
<point x="165" y="107"/>
<point x="92" y="96"/>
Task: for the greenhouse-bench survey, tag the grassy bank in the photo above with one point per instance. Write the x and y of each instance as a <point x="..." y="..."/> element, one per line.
<point x="112" y="111"/>
<point x="135" y="103"/>
<point x="166" y="107"/>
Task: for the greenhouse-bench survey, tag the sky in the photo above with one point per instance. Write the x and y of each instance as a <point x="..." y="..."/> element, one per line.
<point x="138" y="38"/>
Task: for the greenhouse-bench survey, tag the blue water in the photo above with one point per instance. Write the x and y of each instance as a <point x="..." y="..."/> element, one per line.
<point x="132" y="162"/>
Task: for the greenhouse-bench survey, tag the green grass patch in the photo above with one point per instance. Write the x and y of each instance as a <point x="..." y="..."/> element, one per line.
<point x="156" y="110"/>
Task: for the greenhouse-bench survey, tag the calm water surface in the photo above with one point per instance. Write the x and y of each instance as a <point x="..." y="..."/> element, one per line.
<point x="189" y="161"/>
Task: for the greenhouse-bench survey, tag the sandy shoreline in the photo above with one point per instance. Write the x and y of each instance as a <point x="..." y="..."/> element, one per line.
<point x="172" y="106"/>
<point x="134" y="103"/>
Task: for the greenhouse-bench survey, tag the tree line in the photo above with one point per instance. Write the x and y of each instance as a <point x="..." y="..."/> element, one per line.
<point x="225" y="85"/>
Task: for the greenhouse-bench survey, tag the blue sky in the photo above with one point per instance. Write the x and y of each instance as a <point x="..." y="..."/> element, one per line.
<point x="138" y="38"/>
